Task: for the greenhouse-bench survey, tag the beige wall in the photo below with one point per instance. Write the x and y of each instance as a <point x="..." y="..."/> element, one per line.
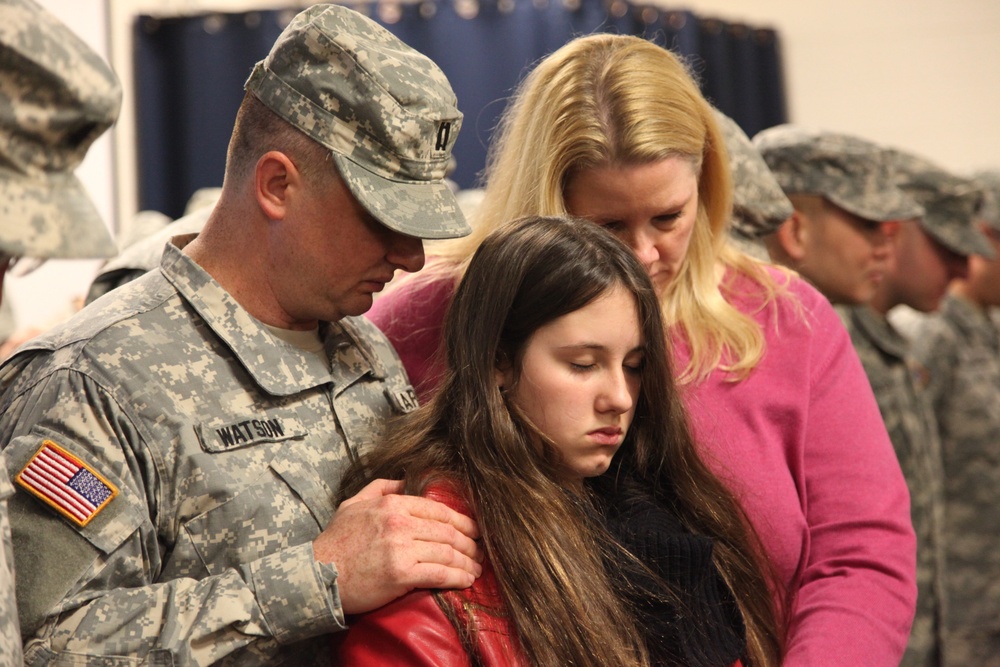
<point x="919" y="74"/>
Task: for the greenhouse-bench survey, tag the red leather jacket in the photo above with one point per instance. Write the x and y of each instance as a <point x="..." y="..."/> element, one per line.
<point x="413" y="631"/>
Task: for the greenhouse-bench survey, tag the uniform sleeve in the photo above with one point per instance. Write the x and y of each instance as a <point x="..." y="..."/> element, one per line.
<point x="857" y="592"/>
<point x="94" y="591"/>
<point x="10" y="635"/>
<point x="412" y="317"/>
<point x="935" y="347"/>
<point x="409" y="632"/>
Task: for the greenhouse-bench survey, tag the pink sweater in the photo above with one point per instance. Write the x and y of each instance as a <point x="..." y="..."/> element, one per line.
<point x="803" y="446"/>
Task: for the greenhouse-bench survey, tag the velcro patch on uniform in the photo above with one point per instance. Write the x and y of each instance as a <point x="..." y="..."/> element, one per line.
<point x="403" y="400"/>
<point x="66" y="484"/>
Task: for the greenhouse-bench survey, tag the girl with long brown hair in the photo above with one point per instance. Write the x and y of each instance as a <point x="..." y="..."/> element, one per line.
<point x="558" y="428"/>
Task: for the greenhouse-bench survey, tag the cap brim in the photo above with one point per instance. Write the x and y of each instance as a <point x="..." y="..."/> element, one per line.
<point x="51" y="217"/>
<point x="894" y="205"/>
<point x="424" y="209"/>
<point x="964" y="241"/>
<point x="761" y="217"/>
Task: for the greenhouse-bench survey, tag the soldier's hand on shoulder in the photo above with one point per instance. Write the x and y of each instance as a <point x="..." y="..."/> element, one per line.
<point x="385" y="545"/>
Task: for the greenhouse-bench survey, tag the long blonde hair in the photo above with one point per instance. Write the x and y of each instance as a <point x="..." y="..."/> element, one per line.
<point x="619" y="100"/>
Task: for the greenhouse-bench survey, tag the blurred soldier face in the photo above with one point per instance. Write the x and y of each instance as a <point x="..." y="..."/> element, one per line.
<point x="843" y="255"/>
<point x="921" y="269"/>
<point x="984" y="274"/>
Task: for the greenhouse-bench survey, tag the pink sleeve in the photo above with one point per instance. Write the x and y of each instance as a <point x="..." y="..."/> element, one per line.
<point x="857" y="592"/>
<point x="412" y="317"/>
<point x="409" y="632"/>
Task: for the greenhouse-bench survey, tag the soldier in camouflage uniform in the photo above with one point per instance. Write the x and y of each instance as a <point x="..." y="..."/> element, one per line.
<point x="960" y="348"/>
<point x="144" y="253"/>
<point x="842" y="191"/>
<point x="759" y="204"/>
<point x="927" y="254"/>
<point x="56" y="97"/>
<point x="177" y="445"/>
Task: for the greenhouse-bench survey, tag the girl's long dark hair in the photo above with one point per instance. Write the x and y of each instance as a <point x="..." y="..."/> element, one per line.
<point x="547" y="551"/>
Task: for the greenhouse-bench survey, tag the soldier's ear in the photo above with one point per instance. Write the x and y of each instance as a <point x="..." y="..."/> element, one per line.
<point x="276" y="179"/>
<point x="793" y="236"/>
<point x="891" y="228"/>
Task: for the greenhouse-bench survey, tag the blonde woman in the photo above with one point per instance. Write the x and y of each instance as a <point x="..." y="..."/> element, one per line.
<point x="614" y="129"/>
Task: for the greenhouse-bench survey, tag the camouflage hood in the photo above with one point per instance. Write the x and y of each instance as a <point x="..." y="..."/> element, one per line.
<point x="56" y="97"/>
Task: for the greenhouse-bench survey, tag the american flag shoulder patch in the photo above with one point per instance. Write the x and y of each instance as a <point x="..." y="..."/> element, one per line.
<point x="65" y="483"/>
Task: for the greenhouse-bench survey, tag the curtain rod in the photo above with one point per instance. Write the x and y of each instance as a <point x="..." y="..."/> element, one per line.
<point x="165" y="8"/>
<point x="650" y="10"/>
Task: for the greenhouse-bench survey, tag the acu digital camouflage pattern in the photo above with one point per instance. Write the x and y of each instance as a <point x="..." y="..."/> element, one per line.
<point x="989" y="183"/>
<point x="144" y="255"/>
<point x="899" y="382"/>
<point x="56" y="97"/>
<point x="759" y="204"/>
<point x="227" y="445"/>
<point x="386" y="111"/>
<point x="950" y="204"/>
<point x="960" y="346"/>
<point x="10" y="632"/>
<point x="851" y="172"/>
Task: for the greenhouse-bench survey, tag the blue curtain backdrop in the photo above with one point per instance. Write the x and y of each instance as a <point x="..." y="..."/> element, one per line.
<point x="190" y="72"/>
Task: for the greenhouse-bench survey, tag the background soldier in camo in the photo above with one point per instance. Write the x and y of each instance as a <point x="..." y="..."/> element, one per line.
<point x="960" y="347"/>
<point x="56" y="97"/>
<point x="927" y="254"/>
<point x="144" y="253"/>
<point x="842" y="191"/>
<point x="177" y="445"/>
<point x="759" y="204"/>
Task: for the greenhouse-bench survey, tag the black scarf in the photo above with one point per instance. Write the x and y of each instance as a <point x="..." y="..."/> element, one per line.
<point x="681" y="602"/>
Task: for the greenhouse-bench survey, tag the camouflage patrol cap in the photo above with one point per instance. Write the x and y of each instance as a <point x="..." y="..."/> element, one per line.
<point x="56" y="97"/>
<point x="989" y="182"/>
<point x="759" y="204"/>
<point x="851" y="172"/>
<point x="950" y="203"/>
<point x="386" y="112"/>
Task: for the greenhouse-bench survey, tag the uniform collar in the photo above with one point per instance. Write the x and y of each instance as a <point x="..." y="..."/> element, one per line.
<point x="879" y="331"/>
<point x="972" y="321"/>
<point x="278" y="367"/>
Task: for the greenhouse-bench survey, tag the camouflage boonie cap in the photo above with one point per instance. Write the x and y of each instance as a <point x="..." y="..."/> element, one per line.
<point x="386" y="111"/>
<point x="56" y="97"/>
<point x="950" y="203"/>
<point x="989" y="182"/>
<point x="853" y="173"/>
<point x="759" y="204"/>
